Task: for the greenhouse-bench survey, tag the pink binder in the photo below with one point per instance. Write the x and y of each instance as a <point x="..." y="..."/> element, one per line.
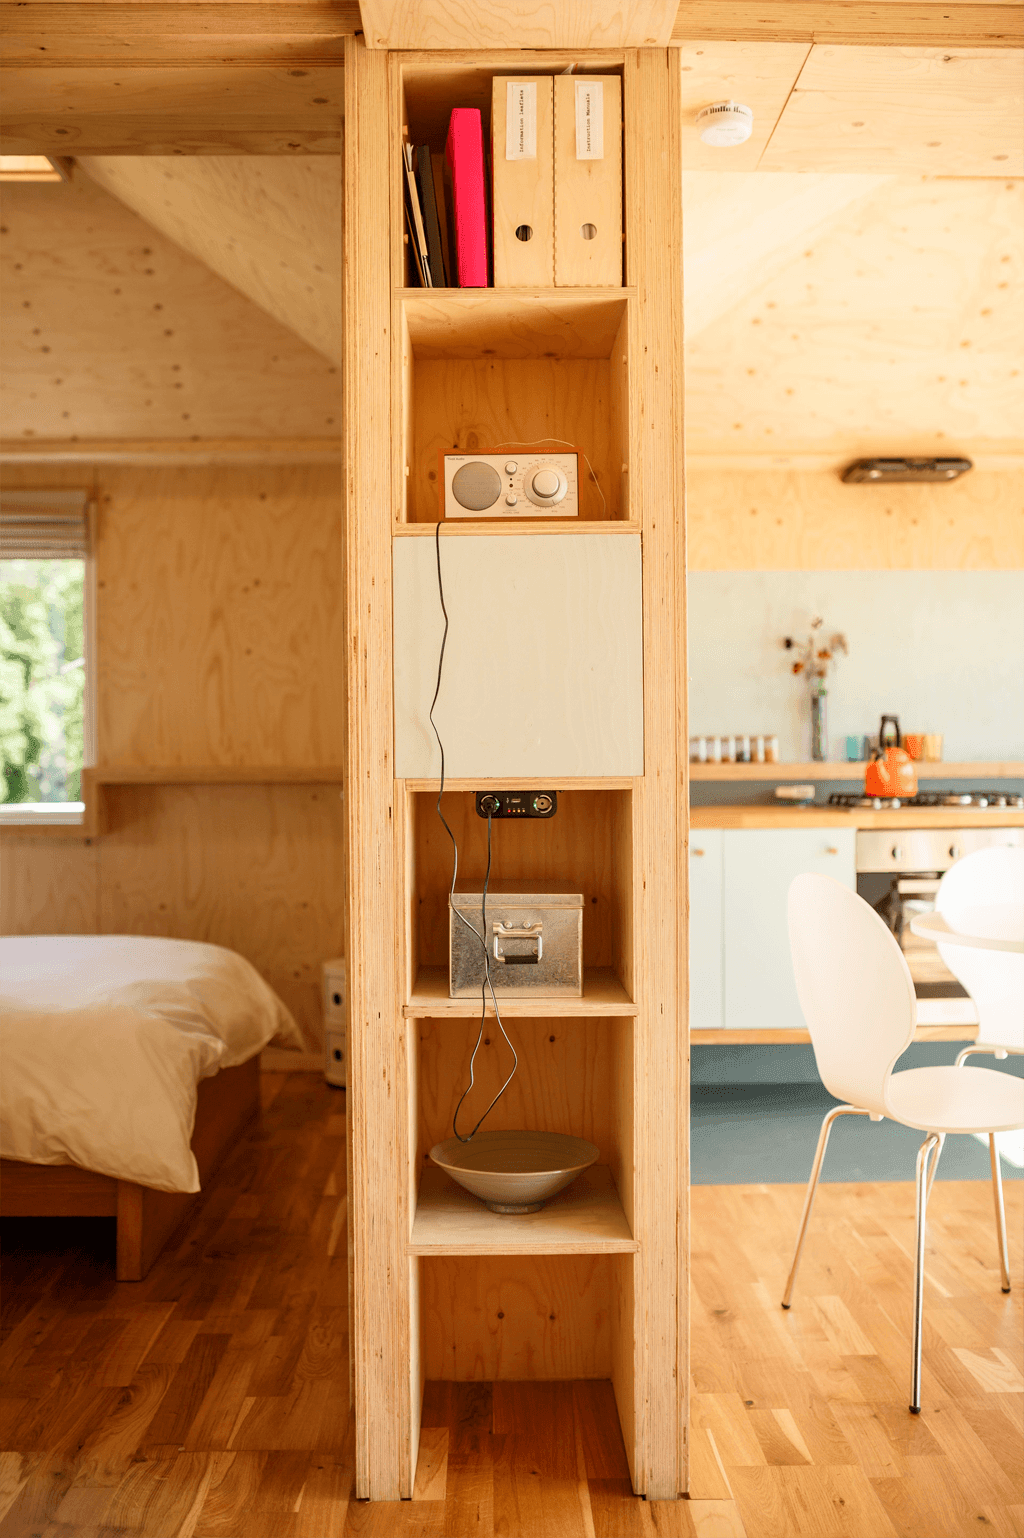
<point x="464" y="153"/>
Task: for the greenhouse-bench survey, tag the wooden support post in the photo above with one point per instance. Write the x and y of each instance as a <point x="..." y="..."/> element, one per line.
<point x="654" y="248"/>
<point x="379" y="1219"/>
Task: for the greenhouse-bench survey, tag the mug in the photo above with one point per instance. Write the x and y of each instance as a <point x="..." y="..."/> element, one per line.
<point x="914" y="743"/>
<point x="933" y="747"/>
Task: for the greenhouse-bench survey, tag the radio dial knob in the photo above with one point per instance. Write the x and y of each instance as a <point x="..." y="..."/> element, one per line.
<point x="547" y="485"/>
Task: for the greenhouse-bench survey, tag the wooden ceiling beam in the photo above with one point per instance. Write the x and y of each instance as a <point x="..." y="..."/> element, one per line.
<point x="881" y="23"/>
<point x="297" y="33"/>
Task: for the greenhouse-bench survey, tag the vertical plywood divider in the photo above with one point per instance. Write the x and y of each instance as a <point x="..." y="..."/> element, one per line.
<point x="379" y="1219"/>
<point x="654" y="246"/>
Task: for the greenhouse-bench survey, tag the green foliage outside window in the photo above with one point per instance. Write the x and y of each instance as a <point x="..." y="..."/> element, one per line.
<point x="42" y="680"/>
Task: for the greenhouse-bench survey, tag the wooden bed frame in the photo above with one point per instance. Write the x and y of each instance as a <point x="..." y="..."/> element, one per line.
<point x="145" y="1218"/>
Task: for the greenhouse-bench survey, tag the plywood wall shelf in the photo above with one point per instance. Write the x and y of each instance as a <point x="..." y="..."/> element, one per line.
<point x="216" y="774"/>
<point x="998" y="769"/>
<point x="603" y="994"/>
<point x="456" y="527"/>
<point x="513" y="322"/>
<point x="585" y="1219"/>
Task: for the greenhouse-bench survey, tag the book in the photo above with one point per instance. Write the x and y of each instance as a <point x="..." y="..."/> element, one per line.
<point x="588" y="180"/>
<point x="464" y="154"/>
<point x="414" y="213"/>
<point x="442" y="203"/>
<point x="425" y="181"/>
<point x="522" y="158"/>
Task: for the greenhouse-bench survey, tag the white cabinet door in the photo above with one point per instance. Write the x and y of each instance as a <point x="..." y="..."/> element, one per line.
<point x="758" y="866"/>
<point x="706" y="959"/>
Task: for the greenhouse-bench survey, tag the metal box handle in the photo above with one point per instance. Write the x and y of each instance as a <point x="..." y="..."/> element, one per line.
<point x="527" y="932"/>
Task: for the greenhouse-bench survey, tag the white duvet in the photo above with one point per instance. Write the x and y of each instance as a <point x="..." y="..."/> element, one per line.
<point x="104" y="1039"/>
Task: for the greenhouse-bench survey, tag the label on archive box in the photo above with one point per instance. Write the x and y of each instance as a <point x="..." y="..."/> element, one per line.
<point x="521" y="120"/>
<point x="589" y="120"/>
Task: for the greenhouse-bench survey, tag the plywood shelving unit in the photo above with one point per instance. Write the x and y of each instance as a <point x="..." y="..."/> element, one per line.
<point x="594" y="1285"/>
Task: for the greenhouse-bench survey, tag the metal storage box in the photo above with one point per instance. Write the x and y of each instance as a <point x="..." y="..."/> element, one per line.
<point x="535" y="940"/>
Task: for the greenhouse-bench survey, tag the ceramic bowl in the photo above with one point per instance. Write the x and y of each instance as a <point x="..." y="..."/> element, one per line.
<point x="515" y="1171"/>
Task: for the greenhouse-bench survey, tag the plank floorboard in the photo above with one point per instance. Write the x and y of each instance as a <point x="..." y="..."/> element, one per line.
<point x="211" y="1400"/>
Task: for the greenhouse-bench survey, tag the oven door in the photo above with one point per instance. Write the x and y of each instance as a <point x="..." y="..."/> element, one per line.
<point x="898" y="899"/>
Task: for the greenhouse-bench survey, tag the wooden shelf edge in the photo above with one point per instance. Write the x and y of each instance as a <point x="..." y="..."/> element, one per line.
<point x="710" y="1038"/>
<point x="456" y="527"/>
<point x="1004" y="769"/>
<point x="553" y="782"/>
<point x="330" y="774"/>
<point x="585" y="1219"/>
<point x="496" y="295"/>
<point x="170" y="451"/>
<point x="603" y="994"/>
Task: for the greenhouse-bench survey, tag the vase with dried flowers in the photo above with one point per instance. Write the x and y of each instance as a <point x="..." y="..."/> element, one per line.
<point x="814" y="657"/>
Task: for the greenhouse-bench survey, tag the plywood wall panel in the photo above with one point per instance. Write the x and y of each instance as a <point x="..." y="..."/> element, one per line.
<point x="111" y="330"/>
<point x="256" y="868"/>
<point x="496" y="1317"/>
<point x="761" y="75"/>
<point x="808" y="520"/>
<point x="219" y="617"/>
<point x="48" y="886"/>
<point x="270" y="225"/>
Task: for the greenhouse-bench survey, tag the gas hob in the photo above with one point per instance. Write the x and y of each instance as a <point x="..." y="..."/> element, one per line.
<point x="968" y="801"/>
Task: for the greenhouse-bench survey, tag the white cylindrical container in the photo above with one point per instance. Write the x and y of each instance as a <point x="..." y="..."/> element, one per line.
<point x="715" y="750"/>
<point x="335" y="1007"/>
<point x="729" y="750"/>
<point x="759" y="750"/>
<point x="698" y="750"/>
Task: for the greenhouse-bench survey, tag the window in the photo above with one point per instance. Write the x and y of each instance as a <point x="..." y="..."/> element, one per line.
<point x="44" y="686"/>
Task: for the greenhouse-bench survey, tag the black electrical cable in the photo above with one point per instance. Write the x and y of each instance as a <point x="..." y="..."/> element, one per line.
<point x="486" y="986"/>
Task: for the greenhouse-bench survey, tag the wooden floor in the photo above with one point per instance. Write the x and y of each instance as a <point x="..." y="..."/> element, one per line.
<point x="211" y="1400"/>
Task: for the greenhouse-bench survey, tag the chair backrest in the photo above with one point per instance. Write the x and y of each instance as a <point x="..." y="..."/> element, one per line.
<point x="854" y="987"/>
<point x="984" y="894"/>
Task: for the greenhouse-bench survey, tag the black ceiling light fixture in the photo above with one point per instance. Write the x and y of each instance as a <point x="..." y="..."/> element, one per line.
<point x="883" y="472"/>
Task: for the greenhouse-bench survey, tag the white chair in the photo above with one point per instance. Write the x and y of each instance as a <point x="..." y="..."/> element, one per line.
<point x="858" y="1000"/>
<point x="984" y="894"/>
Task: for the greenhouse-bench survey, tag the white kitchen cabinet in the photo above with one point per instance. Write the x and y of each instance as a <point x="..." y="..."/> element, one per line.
<point x="758" y="865"/>
<point x="706" y="957"/>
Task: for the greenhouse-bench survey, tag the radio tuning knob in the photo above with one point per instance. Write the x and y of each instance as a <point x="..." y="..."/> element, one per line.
<point x="511" y="467"/>
<point x="511" y="500"/>
<point x="546" y="483"/>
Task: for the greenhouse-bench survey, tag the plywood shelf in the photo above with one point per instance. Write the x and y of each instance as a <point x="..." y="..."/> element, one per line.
<point x="210" y="774"/>
<point x="585" y="1219"/>
<point x="513" y="322"/>
<point x="552" y="782"/>
<point x="1000" y="769"/>
<point x="603" y="994"/>
<point x="457" y="526"/>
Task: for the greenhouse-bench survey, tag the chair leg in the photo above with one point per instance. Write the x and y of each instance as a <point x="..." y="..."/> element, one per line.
<point x="812" y="1186"/>
<point x="997" y="1194"/>
<point x="932" y="1143"/>
<point x="935" y="1162"/>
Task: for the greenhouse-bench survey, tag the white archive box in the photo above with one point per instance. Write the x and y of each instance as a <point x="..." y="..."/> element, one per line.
<point x="335" y="1003"/>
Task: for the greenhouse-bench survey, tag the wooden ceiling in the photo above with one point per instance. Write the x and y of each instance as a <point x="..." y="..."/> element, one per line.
<point x="849" y="271"/>
<point x="113" y="331"/>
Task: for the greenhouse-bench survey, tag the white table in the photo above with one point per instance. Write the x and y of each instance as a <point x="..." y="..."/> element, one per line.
<point x="932" y="926"/>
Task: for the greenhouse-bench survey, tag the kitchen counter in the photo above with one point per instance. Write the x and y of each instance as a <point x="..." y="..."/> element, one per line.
<point x="762" y="816"/>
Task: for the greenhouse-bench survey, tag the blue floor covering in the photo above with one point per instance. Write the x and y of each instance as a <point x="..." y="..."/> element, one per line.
<point x="747" y="1134"/>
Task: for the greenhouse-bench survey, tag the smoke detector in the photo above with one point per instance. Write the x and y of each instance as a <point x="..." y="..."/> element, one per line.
<point x="884" y="471"/>
<point x="725" y="123"/>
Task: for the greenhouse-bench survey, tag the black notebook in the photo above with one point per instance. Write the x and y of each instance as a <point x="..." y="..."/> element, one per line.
<point x="431" y="222"/>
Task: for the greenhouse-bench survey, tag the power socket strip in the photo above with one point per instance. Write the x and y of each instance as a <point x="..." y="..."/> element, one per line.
<point x="516" y="803"/>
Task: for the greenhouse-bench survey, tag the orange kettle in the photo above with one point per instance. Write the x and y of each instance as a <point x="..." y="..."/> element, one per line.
<point x="891" y="771"/>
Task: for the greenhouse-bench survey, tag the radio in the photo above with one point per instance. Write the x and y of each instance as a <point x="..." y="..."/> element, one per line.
<point x="510" y="485"/>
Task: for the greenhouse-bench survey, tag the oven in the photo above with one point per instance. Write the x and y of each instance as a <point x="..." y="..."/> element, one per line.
<point x="898" y="873"/>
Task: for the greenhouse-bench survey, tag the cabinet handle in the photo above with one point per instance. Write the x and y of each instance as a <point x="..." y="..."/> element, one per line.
<point x="830" y="850"/>
<point x="696" y="851"/>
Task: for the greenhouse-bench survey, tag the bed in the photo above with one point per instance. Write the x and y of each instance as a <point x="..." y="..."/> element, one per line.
<point x="130" y="1069"/>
